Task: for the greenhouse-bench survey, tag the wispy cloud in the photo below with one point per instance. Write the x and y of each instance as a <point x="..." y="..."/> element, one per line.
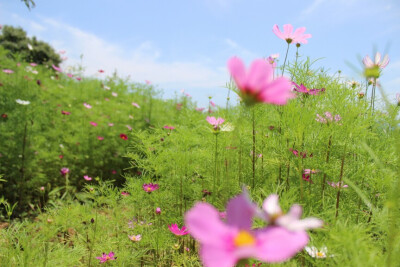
<point x="142" y="62"/>
<point x="238" y="50"/>
<point x="311" y="8"/>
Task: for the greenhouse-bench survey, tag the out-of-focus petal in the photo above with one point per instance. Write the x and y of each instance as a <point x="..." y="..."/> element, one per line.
<point x="240" y="212"/>
<point x="271" y="205"/>
<point x="238" y="71"/>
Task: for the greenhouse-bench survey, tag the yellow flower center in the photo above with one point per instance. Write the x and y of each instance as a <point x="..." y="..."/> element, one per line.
<point x="244" y="238"/>
<point x="148" y="189"/>
<point x="108" y="257"/>
<point x="320" y="255"/>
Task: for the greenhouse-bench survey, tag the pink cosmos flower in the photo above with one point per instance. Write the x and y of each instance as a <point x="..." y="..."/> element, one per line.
<point x="135" y="238"/>
<point x="147" y="82"/>
<point x="106" y="99"/>
<point x="307" y="178"/>
<point x="86" y="105"/>
<point x="150" y="187"/>
<point x="111" y="124"/>
<point x="114" y="172"/>
<point x="338" y="184"/>
<point x="107" y="257"/>
<point x="179" y="106"/>
<point x="56" y="68"/>
<point x="199" y="109"/>
<point x="101" y="71"/>
<point x="87" y="178"/>
<point x="176" y="231"/>
<point x="257" y="84"/>
<point x="101" y="138"/>
<point x="158" y="210"/>
<point x="224" y="244"/>
<point x="135" y="104"/>
<point x="129" y="127"/>
<point x="33" y="64"/>
<point x="70" y="75"/>
<point x="215" y="122"/>
<point x="41" y="188"/>
<point x="368" y="63"/>
<point x="212" y="103"/>
<point x="8" y="71"/>
<point x="302" y="89"/>
<point x="125" y="193"/>
<point x="298" y="36"/>
<point x="78" y="78"/>
<point x="114" y="94"/>
<point x="65" y="112"/>
<point x="64" y="171"/>
<point x="123" y="136"/>
<point x="64" y="58"/>
<point x="61" y="52"/>
<point x="93" y="123"/>
<point x="169" y="127"/>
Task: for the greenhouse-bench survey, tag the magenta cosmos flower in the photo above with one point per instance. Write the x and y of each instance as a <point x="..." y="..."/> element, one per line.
<point x="176" y="231"/>
<point x="304" y="90"/>
<point x="93" y="123"/>
<point x="216" y="123"/>
<point x="86" y="105"/>
<point x="123" y="136"/>
<point x="158" y="210"/>
<point x="8" y="71"/>
<point x="257" y="84"/>
<point x="65" y="112"/>
<point x="64" y="171"/>
<point x="298" y="36"/>
<point x="150" y="187"/>
<point x="169" y="127"/>
<point x="107" y="257"/>
<point x="56" y="68"/>
<point x="224" y="244"/>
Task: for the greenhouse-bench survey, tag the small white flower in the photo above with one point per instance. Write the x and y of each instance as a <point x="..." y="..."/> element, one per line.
<point x="30" y="47"/>
<point x="106" y="87"/>
<point x="114" y="94"/>
<point x="22" y="102"/>
<point x="313" y="252"/>
<point x="61" y="145"/>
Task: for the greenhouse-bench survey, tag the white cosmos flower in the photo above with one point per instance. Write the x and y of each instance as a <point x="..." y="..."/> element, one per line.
<point x="315" y="253"/>
<point x="30" y="47"/>
<point x="22" y="102"/>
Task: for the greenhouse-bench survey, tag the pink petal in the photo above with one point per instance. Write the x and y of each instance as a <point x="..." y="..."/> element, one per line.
<point x="205" y="226"/>
<point x="368" y="62"/>
<point x="288" y="30"/>
<point x="277" y="92"/>
<point x="240" y="212"/>
<point x="385" y="61"/>
<point x="238" y="71"/>
<point x="259" y="75"/>
<point x="215" y="256"/>
<point x="277" y="32"/>
<point x="278" y="244"/>
<point x="377" y="58"/>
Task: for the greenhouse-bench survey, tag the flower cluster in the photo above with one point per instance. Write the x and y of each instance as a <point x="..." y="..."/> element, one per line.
<point x="224" y="244"/>
<point x="304" y="90"/>
<point x="328" y="117"/>
<point x="150" y="187"/>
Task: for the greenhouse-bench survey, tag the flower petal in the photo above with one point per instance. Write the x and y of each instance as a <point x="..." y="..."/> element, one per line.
<point x="238" y="71"/>
<point x="240" y="212"/>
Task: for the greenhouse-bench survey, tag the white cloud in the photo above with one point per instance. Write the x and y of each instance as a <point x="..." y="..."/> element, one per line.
<point x="311" y="8"/>
<point x="142" y="62"/>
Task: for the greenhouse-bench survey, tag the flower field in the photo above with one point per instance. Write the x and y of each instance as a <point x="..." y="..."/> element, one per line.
<point x="103" y="171"/>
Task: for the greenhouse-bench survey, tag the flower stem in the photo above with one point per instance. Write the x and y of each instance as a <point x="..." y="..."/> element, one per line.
<point x="327" y="161"/>
<point x="215" y="168"/>
<point x="254" y="150"/>
<point x="340" y="183"/>
<point x="284" y="63"/>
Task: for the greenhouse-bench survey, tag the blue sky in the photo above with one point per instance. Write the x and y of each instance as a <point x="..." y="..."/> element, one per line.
<point x="186" y="44"/>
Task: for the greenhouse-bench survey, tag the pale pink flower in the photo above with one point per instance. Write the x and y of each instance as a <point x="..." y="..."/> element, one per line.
<point x="129" y="127"/>
<point x="310" y="171"/>
<point x="135" y="238"/>
<point x="8" y="71"/>
<point x="42" y="188"/>
<point x="135" y="104"/>
<point x="200" y="109"/>
<point x="368" y="63"/>
<point x="114" y="94"/>
<point x="215" y="122"/>
<point x="273" y="214"/>
<point x="212" y="103"/>
<point x="61" y="52"/>
<point x="298" y="36"/>
<point x="147" y="82"/>
<point x="70" y="75"/>
<point x="33" y="64"/>
<point x="86" y="105"/>
<point x="101" y="71"/>
<point x="178" y="231"/>
<point x="64" y="171"/>
<point x="257" y="84"/>
<point x="338" y="184"/>
<point x="87" y="178"/>
<point x="78" y="78"/>
<point x="158" y="210"/>
<point x="111" y="124"/>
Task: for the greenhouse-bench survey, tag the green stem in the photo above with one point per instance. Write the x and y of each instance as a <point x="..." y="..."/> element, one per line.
<point x="327" y="161"/>
<point x="254" y="150"/>
<point x="284" y="63"/>
<point x="340" y="183"/>
<point x="215" y="167"/>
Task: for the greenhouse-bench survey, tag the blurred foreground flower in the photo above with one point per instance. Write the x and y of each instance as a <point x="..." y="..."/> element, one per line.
<point x="107" y="257"/>
<point x="22" y="102"/>
<point x="224" y="244"/>
<point x="257" y="84"/>
<point x="64" y="171"/>
<point x="176" y="231"/>
<point x="87" y="178"/>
